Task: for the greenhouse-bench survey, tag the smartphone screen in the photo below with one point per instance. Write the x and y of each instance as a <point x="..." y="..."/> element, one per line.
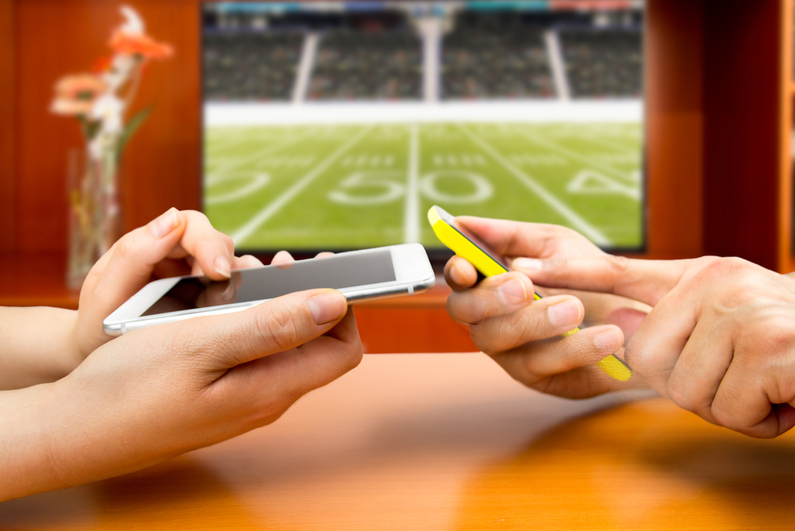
<point x="336" y="272"/>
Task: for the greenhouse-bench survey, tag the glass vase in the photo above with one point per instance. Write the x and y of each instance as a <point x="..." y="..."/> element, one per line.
<point x="95" y="215"/>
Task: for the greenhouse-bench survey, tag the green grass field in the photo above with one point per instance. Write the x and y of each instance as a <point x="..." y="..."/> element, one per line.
<point x="348" y="186"/>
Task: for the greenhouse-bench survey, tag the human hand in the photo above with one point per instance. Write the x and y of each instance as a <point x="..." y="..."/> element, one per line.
<point x="719" y="341"/>
<point x="155" y="393"/>
<point x="176" y="243"/>
<point x="524" y="336"/>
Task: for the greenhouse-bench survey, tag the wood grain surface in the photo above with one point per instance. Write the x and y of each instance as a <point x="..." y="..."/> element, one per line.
<point x="448" y="442"/>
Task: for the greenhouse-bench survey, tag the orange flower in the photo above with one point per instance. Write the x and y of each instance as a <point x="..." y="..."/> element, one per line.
<point x="138" y="44"/>
<point x="101" y="64"/>
<point x="75" y="94"/>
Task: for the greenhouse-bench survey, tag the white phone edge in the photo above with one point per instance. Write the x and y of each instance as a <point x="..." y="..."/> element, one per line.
<point x="413" y="274"/>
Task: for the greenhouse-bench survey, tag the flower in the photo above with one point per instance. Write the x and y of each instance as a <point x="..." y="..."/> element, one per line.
<point x="119" y="72"/>
<point x="134" y="23"/>
<point x="101" y="99"/>
<point x="139" y="44"/>
<point x="75" y="95"/>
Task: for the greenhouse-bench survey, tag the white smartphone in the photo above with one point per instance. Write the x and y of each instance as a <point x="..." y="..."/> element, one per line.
<point x="363" y="275"/>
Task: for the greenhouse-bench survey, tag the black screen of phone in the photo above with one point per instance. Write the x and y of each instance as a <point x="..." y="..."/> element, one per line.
<point x="340" y="271"/>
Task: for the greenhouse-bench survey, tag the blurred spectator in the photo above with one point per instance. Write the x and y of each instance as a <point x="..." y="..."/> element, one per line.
<point x="250" y="66"/>
<point x="603" y="63"/>
<point x="491" y="55"/>
<point x="358" y="65"/>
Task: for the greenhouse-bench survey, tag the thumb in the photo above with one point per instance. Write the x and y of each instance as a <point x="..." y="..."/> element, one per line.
<point x="274" y="326"/>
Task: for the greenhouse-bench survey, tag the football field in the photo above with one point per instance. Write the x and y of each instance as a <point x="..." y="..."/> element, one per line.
<point x="347" y="186"/>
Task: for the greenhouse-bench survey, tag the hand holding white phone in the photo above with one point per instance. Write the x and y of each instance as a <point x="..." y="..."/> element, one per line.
<point x="359" y="275"/>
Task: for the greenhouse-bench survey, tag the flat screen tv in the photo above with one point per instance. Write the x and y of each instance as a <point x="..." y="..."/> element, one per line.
<point x="336" y="125"/>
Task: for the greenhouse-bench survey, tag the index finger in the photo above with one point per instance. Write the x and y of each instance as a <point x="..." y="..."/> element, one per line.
<point x="516" y="238"/>
<point x="646" y="281"/>
<point x="213" y="250"/>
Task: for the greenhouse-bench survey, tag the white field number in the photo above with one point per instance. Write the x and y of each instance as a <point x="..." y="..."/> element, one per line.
<point x="256" y="181"/>
<point x="379" y="187"/>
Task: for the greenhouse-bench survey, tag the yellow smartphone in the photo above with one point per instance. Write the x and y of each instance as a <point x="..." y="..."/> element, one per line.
<point x="477" y="253"/>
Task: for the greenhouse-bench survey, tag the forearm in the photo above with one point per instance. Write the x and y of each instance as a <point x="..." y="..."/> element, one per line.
<point x="25" y="457"/>
<point x="37" y="345"/>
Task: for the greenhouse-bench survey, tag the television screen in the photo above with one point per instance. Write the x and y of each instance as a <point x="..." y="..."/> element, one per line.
<point x="337" y="125"/>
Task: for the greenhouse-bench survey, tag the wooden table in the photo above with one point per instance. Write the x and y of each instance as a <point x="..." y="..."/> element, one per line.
<point x="448" y="441"/>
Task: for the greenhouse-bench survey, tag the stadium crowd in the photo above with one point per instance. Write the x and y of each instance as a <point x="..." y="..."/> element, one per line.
<point x="355" y="65"/>
<point x="485" y="56"/>
<point x="495" y="56"/>
<point x="603" y="64"/>
<point x="250" y="66"/>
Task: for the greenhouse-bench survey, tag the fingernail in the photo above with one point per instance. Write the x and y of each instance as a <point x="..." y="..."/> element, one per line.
<point x="456" y="276"/>
<point x="527" y="264"/>
<point x="566" y="313"/>
<point x="164" y="224"/>
<point x="222" y="266"/>
<point x="326" y="307"/>
<point x="512" y="291"/>
<point x="608" y="341"/>
<point x="229" y="293"/>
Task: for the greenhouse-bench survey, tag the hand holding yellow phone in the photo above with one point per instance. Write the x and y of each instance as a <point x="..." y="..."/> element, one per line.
<point x="478" y="254"/>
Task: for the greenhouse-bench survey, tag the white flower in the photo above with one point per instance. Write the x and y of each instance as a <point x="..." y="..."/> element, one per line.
<point x="134" y="24"/>
<point x="108" y="109"/>
<point x="117" y="75"/>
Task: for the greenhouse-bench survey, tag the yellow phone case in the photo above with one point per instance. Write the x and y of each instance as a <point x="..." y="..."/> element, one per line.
<point x="463" y="246"/>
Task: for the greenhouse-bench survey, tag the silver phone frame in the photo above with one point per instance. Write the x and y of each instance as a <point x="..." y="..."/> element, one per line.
<point x="413" y="274"/>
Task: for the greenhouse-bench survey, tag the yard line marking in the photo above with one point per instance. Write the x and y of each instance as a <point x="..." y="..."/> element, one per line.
<point x="272" y="208"/>
<point x="259" y="154"/>
<point x="411" y="225"/>
<point x="573" y="155"/>
<point x="579" y="223"/>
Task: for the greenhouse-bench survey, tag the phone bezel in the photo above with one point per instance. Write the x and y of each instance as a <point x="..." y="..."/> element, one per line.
<point x="413" y="274"/>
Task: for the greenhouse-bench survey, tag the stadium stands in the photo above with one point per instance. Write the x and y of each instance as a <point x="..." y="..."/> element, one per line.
<point x="491" y="56"/>
<point x="603" y="63"/>
<point x="250" y="66"/>
<point x="487" y="55"/>
<point x="356" y="65"/>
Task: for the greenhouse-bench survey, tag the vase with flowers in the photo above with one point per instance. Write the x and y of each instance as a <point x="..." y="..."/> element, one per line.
<point x="99" y="100"/>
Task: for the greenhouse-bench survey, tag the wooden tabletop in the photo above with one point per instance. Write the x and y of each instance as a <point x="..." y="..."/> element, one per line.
<point x="448" y="442"/>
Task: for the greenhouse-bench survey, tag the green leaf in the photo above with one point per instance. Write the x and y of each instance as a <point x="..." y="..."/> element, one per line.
<point x="90" y="128"/>
<point x="132" y="126"/>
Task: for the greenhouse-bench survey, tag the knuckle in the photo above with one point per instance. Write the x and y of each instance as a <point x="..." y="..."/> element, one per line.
<point x="277" y="329"/>
<point x="619" y="264"/>
<point x="720" y="267"/>
<point x="355" y="353"/>
<point x="125" y="247"/>
<point x="678" y="394"/>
